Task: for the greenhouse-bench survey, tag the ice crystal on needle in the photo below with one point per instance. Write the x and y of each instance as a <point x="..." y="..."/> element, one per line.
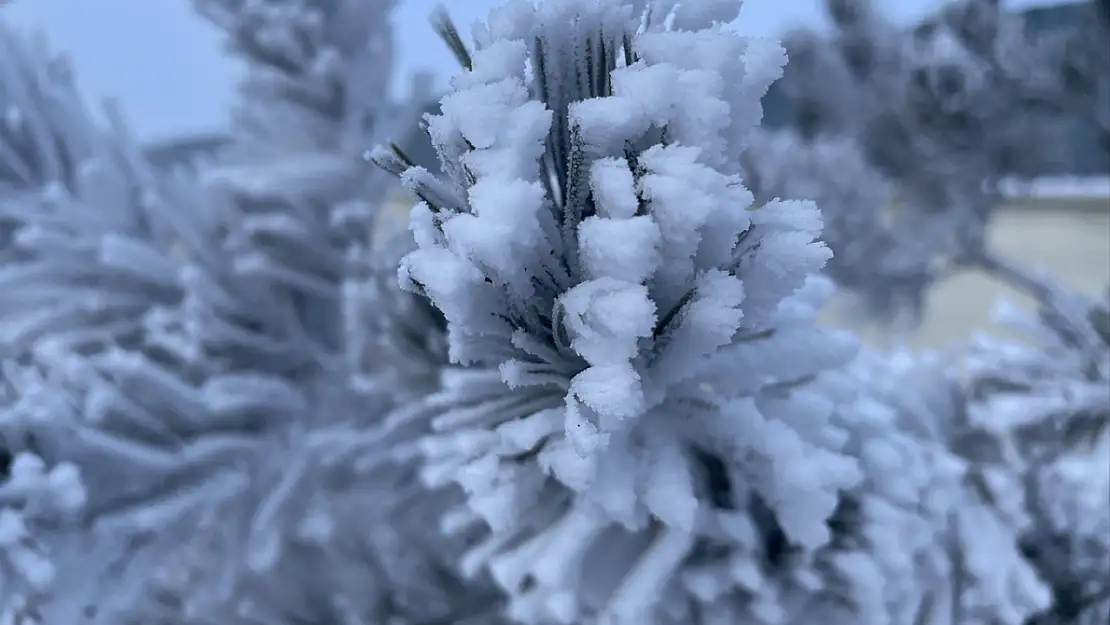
<point x="626" y="330"/>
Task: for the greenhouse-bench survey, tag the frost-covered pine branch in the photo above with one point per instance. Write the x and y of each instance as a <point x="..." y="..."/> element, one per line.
<point x="628" y="405"/>
<point x="587" y="387"/>
<point x="569" y="375"/>
<point x="35" y="498"/>
<point x="85" y="274"/>
<point x="1052" y="392"/>
<point x="1047" y="403"/>
<point x="1029" y="403"/>
<point x="276" y="304"/>
<point x="317" y="70"/>
<point x="958" y="88"/>
<point x="398" y="340"/>
<point x="930" y="474"/>
<point x="329" y="527"/>
<point x="1069" y="541"/>
<point x="884" y="254"/>
<point x="136" y="351"/>
<point x="300" y="193"/>
<point x="943" y="113"/>
<point x="92" y="275"/>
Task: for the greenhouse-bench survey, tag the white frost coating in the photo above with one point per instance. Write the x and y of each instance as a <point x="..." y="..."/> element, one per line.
<point x="31" y="499"/>
<point x="504" y="222"/>
<point x="614" y="188"/>
<point x="586" y="388"/>
<point x="621" y="249"/>
<point x="638" y="356"/>
<point x="179" y="341"/>
<point x="605" y="318"/>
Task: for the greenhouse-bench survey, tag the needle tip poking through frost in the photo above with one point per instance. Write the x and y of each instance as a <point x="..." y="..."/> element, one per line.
<point x="630" y="338"/>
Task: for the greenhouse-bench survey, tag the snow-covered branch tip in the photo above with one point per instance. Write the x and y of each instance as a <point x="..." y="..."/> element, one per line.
<point x="631" y="338"/>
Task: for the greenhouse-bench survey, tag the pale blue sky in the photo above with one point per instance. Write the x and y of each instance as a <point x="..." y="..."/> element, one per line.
<point x="166" y="68"/>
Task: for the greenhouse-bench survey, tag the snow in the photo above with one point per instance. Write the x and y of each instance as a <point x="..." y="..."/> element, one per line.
<point x="587" y="386"/>
<point x="622" y="249"/>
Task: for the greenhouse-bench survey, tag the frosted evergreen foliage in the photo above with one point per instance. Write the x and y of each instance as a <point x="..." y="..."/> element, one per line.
<point x="627" y="407"/>
<point x="864" y="48"/>
<point x="92" y="284"/>
<point x="1070" y="544"/>
<point x="883" y="251"/>
<point x="89" y="281"/>
<point x="141" y="354"/>
<point x="1047" y="403"/>
<point x="953" y="89"/>
<point x="943" y="113"/>
<point x="43" y="129"/>
<point x="929" y="476"/>
<point x="1052" y="392"/>
<point x="320" y="535"/>
<point x="33" y="496"/>
<point x="816" y="112"/>
<point x="586" y="388"/>
<point x="87" y="274"/>
<point x="271" y="309"/>
<point x="314" y="99"/>
<point x="316" y="69"/>
<point x="266" y="310"/>
<point x="397" y="340"/>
